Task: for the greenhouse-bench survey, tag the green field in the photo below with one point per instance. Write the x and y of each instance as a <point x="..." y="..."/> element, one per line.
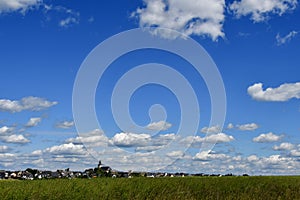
<point x="155" y="188"/>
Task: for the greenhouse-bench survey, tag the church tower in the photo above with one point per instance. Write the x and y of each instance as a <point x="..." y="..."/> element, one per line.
<point x="99" y="164"/>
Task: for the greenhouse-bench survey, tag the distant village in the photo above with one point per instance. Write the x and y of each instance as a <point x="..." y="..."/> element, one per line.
<point x="100" y="171"/>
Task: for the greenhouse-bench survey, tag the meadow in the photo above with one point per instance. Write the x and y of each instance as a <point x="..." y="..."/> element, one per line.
<point x="281" y="187"/>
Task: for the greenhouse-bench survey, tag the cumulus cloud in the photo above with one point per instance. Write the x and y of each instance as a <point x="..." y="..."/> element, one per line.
<point x="207" y="155"/>
<point x="66" y="149"/>
<point x="6" y="157"/>
<point x="5" y="130"/>
<point x="295" y="153"/>
<point x="4" y="149"/>
<point x="214" y="138"/>
<point x="37" y="153"/>
<point x="243" y="127"/>
<point x="191" y="17"/>
<point x="163" y="139"/>
<point x="176" y="154"/>
<point x="65" y="124"/>
<point x="92" y="139"/>
<point x="283" y="93"/>
<point x="159" y="126"/>
<point x="252" y="158"/>
<point x="218" y="138"/>
<point x="247" y="127"/>
<point x="27" y="103"/>
<point x="17" y="5"/>
<point x="261" y="10"/>
<point x="141" y="142"/>
<point x="282" y="40"/>
<point x="34" y="121"/>
<point x="16" y="139"/>
<point x="212" y="129"/>
<point x="283" y="146"/>
<point x="230" y="126"/>
<point x="130" y="139"/>
<point x="267" y="137"/>
<point x="7" y="136"/>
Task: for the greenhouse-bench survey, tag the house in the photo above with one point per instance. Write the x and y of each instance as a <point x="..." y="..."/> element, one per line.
<point x="55" y="174"/>
<point x="26" y="176"/>
<point x="13" y="175"/>
<point x="45" y="174"/>
<point x="122" y="174"/>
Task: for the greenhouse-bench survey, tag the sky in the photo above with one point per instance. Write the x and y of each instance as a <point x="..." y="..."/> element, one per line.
<point x="253" y="45"/>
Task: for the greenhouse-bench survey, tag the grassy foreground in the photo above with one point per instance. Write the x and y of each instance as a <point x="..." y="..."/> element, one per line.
<point x="155" y="188"/>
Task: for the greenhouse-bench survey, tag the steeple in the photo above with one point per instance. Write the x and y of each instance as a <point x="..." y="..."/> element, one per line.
<point x="100" y="164"/>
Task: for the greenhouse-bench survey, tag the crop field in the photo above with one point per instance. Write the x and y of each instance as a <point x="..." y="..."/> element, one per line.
<point x="155" y="188"/>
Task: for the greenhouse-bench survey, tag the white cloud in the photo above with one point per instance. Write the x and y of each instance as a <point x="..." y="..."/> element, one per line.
<point x="65" y="124"/>
<point x="4" y="130"/>
<point x="65" y="17"/>
<point x="214" y="138"/>
<point x="282" y="40"/>
<point x="191" y="17"/>
<point x="247" y="127"/>
<point x="230" y="126"/>
<point x="206" y="156"/>
<point x="283" y="146"/>
<point x="69" y="21"/>
<point x="162" y="139"/>
<point x="4" y="149"/>
<point x="69" y="149"/>
<point x="26" y="103"/>
<point x="176" y="154"/>
<point x="34" y="121"/>
<point x="130" y="139"/>
<point x="142" y="142"/>
<point x="243" y="127"/>
<point x="17" y="5"/>
<point x="148" y="148"/>
<point x="261" y="10"/>
<point x="92" y="139"/>
<point x="159" y="126"/>
<point x="218" y="138"/>
<point x="17" y="139"/>
<point x="267" y="137"/>
<point x="284" y="92"/>
<point x="5" y="156"/>
<point x="7" y="136"/>
<point x="37" y="153"/>
<point x="295" y="153"/>
<point x="252" y="158"/>
<point x="212" y="129"/>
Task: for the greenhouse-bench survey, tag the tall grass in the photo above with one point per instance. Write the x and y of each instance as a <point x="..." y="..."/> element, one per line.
<point x="264" y="188"/>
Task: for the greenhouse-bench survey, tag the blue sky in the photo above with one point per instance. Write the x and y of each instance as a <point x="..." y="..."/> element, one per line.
<point x="254" y="44"/>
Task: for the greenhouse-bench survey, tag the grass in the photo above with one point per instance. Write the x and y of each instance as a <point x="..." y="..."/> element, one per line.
<point x="155" y="188"/>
